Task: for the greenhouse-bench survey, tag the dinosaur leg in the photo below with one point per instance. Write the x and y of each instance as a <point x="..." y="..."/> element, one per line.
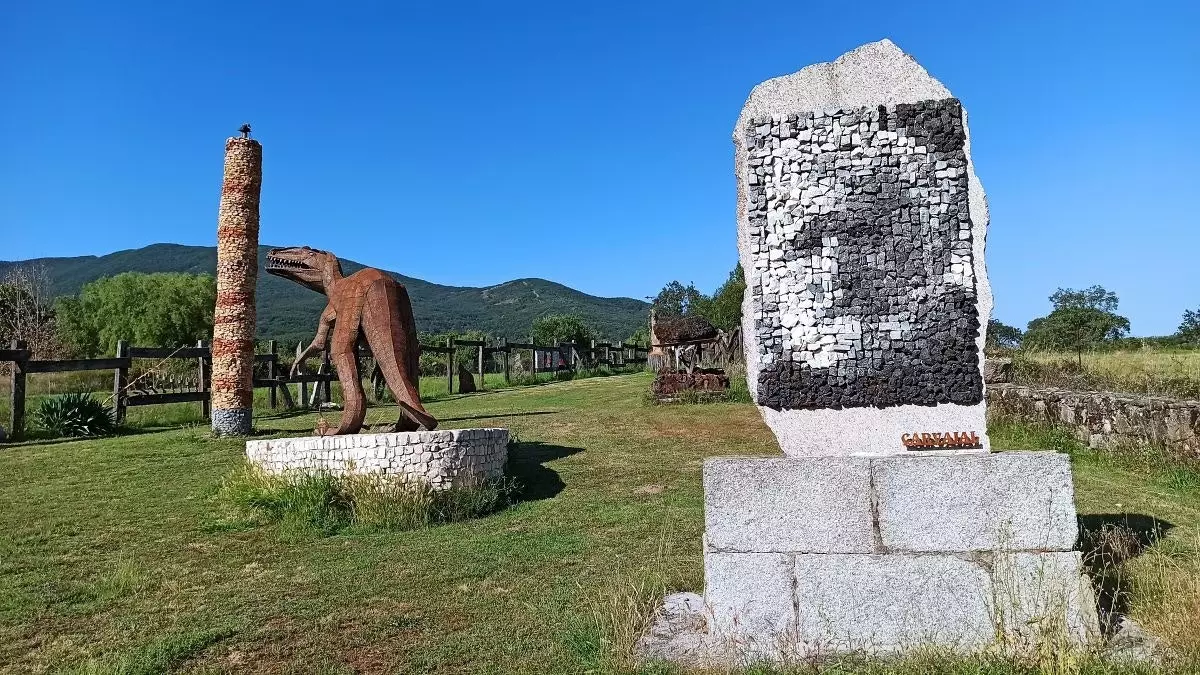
<point x="354" y="402"/>
<point x="388" y="324"/>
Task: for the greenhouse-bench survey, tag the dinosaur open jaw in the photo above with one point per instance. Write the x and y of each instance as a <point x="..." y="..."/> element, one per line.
<point x="283" y="264"/>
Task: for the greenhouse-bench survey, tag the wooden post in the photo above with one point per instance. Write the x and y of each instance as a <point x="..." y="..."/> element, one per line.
<point x="481" y="378"/>
<point x="450" y="366"/>
<point x="120" y="376"/>
<point x="327" y="368"/>
<point x="202" y="364"/>
<point x="506" y="355"/>
<point x="16" y="426"/>
<point x="533" y="343"/>
<point x="271" y="368"/>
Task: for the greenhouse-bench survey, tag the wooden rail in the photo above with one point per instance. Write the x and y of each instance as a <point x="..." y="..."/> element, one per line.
<point x="125" y="392"/>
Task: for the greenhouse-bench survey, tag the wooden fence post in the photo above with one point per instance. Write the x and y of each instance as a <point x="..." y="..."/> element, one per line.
<point x="303" y="402"/>
<point x="481" y="378"/>
<point x="120" y="376"/>
<point x="506" y="355"/>
<point x="271" y="368"/>
<point x="327" y="368"/>
<point x="450" y="365"/>
<point x="533" y="344"/>
<point x="205" y="404"/>
<point x="16" y="426"/>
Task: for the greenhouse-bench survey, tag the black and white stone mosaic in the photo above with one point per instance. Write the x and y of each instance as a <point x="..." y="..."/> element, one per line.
<point x="860" y="235"/>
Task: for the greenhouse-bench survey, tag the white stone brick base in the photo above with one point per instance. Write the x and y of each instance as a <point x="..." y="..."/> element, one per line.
<point x="443" y="459"/>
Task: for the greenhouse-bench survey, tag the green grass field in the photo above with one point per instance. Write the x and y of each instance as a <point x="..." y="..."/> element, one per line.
<point x="41" y="386"/>
<point x="1160" y="371"/>
<point x="116" y="556"/>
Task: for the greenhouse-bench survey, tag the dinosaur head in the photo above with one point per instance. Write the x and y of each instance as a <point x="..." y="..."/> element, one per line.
<point x="306" y="266"/>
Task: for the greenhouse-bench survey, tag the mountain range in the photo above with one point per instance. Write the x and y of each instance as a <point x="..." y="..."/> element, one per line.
<point x="288" y="312"/>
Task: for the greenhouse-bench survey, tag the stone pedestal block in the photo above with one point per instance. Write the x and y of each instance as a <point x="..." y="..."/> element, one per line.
<point x="807" y="555"/>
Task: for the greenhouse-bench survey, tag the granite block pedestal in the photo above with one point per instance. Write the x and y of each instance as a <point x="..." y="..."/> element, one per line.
<point x="814" y="555"/>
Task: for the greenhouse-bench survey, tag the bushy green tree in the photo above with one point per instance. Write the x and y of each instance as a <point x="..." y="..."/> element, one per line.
<point x="640" y="337"/>
<point x="724" y="308"/>
<point x="1081" y="320"/>
<point x="435" y="363"/>
<point x="555" y="328"/>
<point x="1189" y="328"/>
<point x="147" y="310"/>
<point x="675" y="299"/>
<point x="1094" y="297"/>
<point x="1003" y="336"/>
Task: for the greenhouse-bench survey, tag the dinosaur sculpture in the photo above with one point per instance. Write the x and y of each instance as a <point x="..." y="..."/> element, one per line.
<point x="367" y="305"/>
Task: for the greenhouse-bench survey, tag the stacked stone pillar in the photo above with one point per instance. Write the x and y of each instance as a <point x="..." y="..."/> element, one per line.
<point x="237" y="274"/>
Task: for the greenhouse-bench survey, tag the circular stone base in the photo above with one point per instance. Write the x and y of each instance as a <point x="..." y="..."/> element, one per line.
<point x="443" y="459"/>
<point x="232" y="422"/>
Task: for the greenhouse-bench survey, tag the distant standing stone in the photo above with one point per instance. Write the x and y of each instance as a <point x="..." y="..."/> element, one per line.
<point x="997" y="371"/>
<point x="466" y="382"/>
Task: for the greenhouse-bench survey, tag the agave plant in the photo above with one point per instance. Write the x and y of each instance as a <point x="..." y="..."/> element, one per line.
<point x="75" y="415"/>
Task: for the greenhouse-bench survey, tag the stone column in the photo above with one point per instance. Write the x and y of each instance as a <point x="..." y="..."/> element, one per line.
<point x="237" y="274"/>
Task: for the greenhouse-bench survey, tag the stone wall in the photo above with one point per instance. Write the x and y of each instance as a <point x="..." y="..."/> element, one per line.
<point x="1104" y="419"/>
<point x="443" y="459"/>
<point x="861" y="249"/>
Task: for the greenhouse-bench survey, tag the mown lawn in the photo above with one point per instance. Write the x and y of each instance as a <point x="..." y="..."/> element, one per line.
<point x="115" y="555"/>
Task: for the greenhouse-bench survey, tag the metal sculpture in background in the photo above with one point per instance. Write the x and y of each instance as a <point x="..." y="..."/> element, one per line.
<point x="367" y="305"/>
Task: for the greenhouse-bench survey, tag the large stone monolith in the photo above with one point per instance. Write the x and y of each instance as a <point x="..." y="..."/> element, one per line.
<point x="888" y="524"/>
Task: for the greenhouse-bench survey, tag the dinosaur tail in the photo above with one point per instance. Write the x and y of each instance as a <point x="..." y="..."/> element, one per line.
<point x="391" y="332"/>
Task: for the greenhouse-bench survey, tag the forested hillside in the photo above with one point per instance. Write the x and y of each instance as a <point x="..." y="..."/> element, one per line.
<point x="288" y="312"/>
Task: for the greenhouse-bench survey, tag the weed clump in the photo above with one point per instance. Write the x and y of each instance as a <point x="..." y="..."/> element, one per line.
<point x="73" y="415"/>
<point x="328" y="503"/>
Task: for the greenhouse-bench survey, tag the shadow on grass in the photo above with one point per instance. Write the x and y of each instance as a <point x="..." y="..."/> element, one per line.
<point x="1108" y="541"/>
<point x="526" y="465"/>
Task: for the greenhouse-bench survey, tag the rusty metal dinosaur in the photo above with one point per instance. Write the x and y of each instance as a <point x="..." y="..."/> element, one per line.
<point x="368" y="305"/>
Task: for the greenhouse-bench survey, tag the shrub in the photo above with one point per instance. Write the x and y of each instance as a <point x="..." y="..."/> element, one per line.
<point x="329" y="504"/>
<point x="75" y="415"/>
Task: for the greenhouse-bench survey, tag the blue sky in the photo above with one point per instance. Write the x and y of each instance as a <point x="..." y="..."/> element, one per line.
<point x="589" y="144"/>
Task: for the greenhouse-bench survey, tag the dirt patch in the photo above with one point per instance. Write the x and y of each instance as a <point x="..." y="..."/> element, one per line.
<point x="650" y="490"/>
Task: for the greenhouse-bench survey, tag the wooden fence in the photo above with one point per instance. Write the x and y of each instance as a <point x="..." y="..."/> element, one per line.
<point x="152" y="389"/>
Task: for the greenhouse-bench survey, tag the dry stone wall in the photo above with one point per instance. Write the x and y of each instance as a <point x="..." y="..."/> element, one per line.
<point x="1104" y="419"/>
<point x="442" y="459"/>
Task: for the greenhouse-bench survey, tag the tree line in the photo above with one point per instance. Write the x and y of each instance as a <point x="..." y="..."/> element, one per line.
<point x="1084" y="320"/>
<point x="172" y="309"/>
<point x="169" y="310"/>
